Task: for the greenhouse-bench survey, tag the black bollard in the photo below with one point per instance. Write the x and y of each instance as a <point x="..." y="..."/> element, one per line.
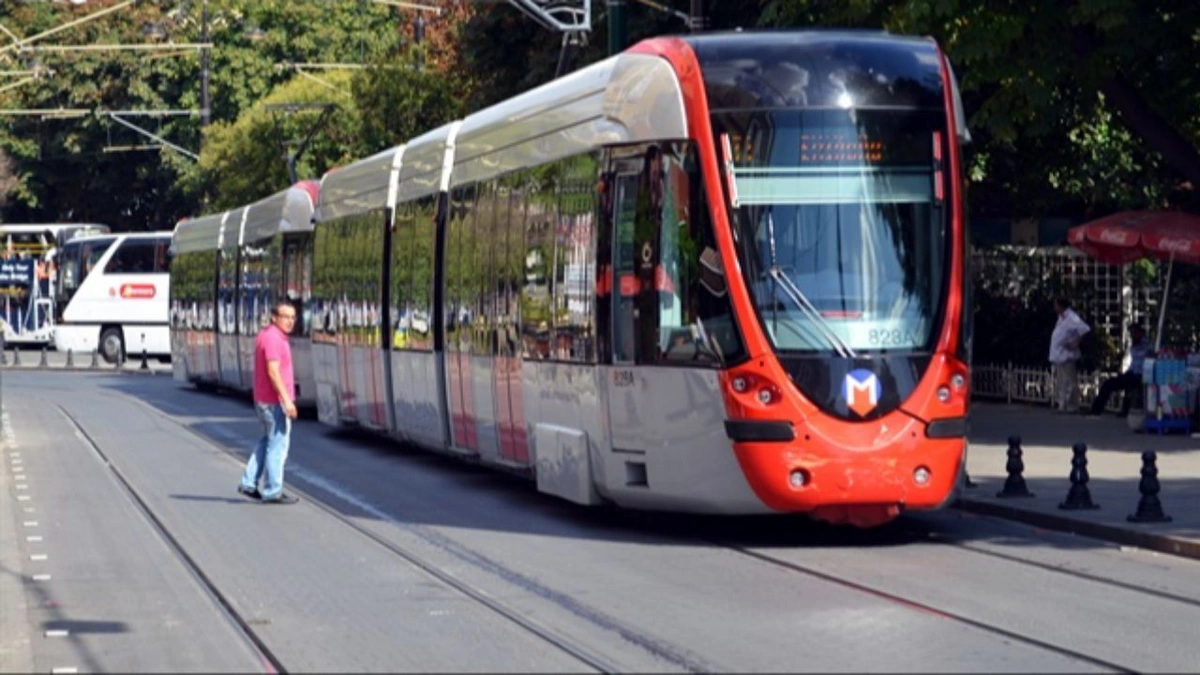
<point x="70" y="359"/>
<point x="1079" y="496"/>
<point x="42" y="361"/>
<point x="16" y="356"/>
<point x="1149" y="508"/>
<point x="3" y="355"/>
<point x="119" y="361"/>
<point x="144" y="366"/>
<point x="95" y="359"/>
<point x="1014" y="486"/>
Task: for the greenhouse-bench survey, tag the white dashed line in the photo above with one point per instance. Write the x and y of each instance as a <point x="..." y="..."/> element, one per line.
<point x="64" y="669"/>
<point x="30" y="523"/>
<point x="57" y="632"/>
<point x="41" y="577"/>
<point x="38" y="556"/>
<point x="29" y="509"/>
<point x="34" y="537"/>
<point x="22" y="486"/>
<point x="23" y="498"/>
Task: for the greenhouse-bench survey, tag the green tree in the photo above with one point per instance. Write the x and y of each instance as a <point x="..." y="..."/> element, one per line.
<point x="1089" y="104"/>
<point x="61" y="167"/>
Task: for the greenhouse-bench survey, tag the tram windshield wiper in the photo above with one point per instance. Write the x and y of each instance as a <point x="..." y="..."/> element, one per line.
<point x="801" y="301"/>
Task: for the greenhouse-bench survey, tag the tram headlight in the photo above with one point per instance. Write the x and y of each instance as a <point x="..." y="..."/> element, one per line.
<point x="957" y="381"/>
<point x="921" y="475"/>
<point x="798" y="478"/>
<point x="768" y="395"/>
<point x="740" y="384"/>
<point x="943" y="393"/>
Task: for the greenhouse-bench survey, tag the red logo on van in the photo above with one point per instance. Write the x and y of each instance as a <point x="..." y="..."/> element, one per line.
<point x="137" y="291"/>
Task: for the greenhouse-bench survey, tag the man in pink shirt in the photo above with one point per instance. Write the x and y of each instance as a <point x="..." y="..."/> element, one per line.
<point x="274" y="389"/>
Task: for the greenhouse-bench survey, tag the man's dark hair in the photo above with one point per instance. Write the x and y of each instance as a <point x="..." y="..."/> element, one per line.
<point x="280" y="305"/>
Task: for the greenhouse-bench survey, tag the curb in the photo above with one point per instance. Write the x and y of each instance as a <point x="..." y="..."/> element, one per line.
<point x="1118" y="535"/>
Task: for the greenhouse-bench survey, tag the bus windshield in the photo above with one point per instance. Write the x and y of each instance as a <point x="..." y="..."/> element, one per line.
<point x="75" y="260"/>
<point x="840" y="224"/>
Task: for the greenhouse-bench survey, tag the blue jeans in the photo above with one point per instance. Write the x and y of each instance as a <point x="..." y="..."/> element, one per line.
<point x="267" y="460"/>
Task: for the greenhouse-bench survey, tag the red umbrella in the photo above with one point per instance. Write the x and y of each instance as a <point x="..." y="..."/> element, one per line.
<point x="1133" y="235"/>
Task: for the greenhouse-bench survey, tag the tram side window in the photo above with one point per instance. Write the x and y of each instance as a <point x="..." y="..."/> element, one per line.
<point x="575" y="261"/>
<point x="420" y="302"/>
<point x="536" y="301"/>
<point x="695" y="322"/>
<point x="135" y="256"/>
<point x="403" y="224"/>
<point x="464" y="206"/>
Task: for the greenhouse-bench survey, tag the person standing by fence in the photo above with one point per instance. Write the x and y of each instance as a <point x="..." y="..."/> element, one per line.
<point x="1065" y="354"/>
<point x="1129" y="381"/>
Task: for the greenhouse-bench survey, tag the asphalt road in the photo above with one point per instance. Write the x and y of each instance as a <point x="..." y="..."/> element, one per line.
<point x="400" y="560"/>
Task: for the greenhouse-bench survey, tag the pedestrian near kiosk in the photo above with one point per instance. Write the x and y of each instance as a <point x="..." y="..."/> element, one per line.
<point x="274" y="395"/>
<point x="1129" y="381"/>
<point x="1065" y="354"/>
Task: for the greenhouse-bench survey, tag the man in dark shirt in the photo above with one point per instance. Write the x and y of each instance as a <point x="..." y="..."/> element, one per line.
<point x="1131" y="380"/>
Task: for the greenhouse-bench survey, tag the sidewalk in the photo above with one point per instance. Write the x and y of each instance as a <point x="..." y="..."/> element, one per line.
<point x="1114" y="465"/>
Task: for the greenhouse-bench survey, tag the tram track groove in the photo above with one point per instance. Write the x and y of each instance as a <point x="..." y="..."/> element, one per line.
<point x="596" y="618"/>
<point x="1077" y="574"/>
<point x="264" y="652"/>
<point x="665" y="652"/>
<point x="922" y="607"/>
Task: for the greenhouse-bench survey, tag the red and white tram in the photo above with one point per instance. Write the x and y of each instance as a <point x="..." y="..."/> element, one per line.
<point x="723" y="273"/>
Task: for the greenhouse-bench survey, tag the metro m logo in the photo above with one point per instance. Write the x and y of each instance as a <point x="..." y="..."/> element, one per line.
<point x="862" y="391"/>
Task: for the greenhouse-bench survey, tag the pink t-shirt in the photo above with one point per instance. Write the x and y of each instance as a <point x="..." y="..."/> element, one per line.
<point x="272" y="345"/>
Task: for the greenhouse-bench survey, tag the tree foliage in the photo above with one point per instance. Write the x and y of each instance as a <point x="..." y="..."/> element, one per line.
<point x="1078" y="106"/>
<point x="64" y="169"/>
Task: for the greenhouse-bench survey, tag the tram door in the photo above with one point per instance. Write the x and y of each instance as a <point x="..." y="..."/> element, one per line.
<point x="634" y="304"/>
<point x="664" y="404"/>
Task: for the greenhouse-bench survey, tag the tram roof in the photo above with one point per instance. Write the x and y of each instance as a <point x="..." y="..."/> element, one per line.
<point x="628" y="98"/>
<point x="289" y="210"/>
<point x="357" y="188"/>
<point x="424" y="169"/>
<point x="198" y="234"/>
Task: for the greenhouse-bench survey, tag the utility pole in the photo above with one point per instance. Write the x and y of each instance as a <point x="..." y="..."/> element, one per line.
<point x="205" y="102"/>
<point x="418" y="38"/>
<point x="698" y="19"/>
<point x="616" y="26"/>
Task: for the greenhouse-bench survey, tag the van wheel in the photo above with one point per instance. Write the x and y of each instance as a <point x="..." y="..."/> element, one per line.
<point x="112" y="344"/>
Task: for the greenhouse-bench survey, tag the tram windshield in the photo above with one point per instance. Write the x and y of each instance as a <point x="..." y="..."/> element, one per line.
<point x="841" y="224"/>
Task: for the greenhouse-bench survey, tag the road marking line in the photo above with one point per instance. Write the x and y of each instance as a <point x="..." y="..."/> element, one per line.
<point x="18" y="461"/>
<point x="41" y="577"/>
<point x="22" y="486"/>
<point x="30" y="523"/>
<point x="38" y="556"/>
<point x="64" y="669"/>
<point x="29" y="509"/>
<point x="57" y="632"/>
<point x="34" y="537"/>
<point x="23" y="498"/>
